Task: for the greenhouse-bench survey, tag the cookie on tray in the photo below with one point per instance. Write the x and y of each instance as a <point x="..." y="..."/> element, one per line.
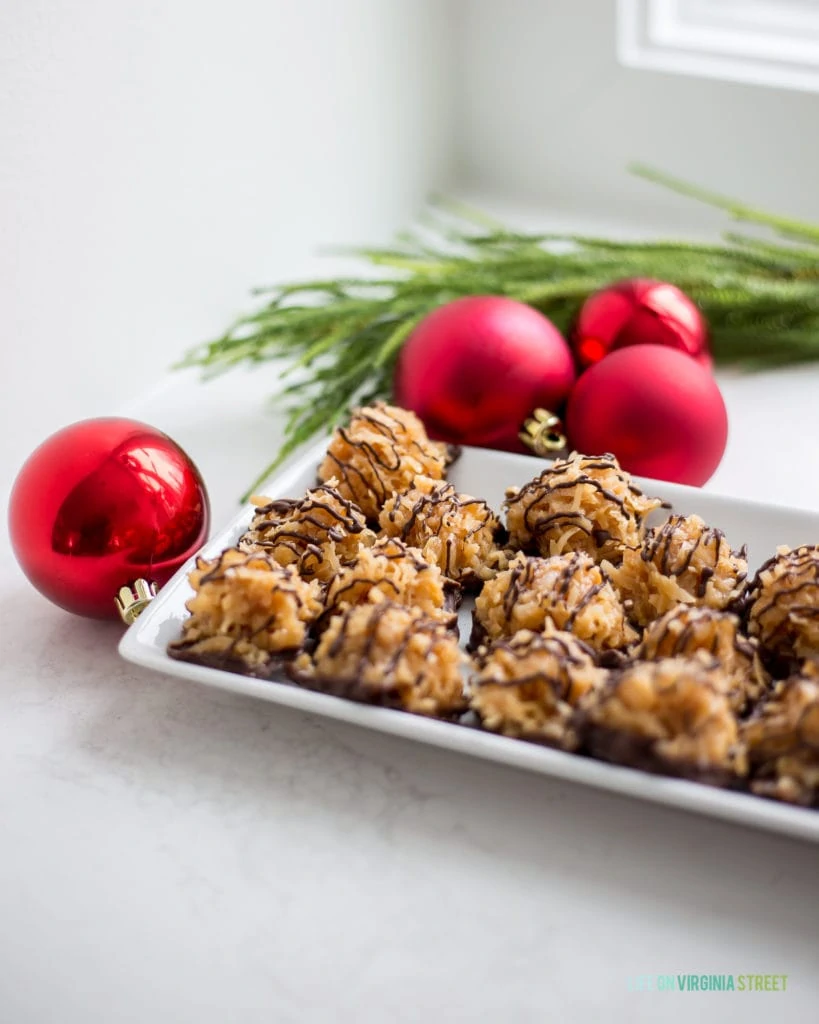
<point x="670" y="717"/>
<point x="392" y="571"/>
<point x="529" y="686"/>
<point x="684" y="561"/>
<point x="783" y="606"/>
<point x="381" y="451"/>
<point x="569" y="592"/>
<point x="317" y="533"/>
<point x="454" y="531"/>
<point x="583" y="503"/>
<point x="390" y="655"/>
<point x="687" y="629"/>
<point x="782" y="737"/>
<point x="247" y="613"/>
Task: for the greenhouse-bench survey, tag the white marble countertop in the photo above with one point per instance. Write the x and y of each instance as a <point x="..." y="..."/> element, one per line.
<point x="169" y="854"/>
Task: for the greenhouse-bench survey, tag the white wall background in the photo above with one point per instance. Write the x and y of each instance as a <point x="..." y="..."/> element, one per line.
<point x="160" y="157"/>
<point x="546" y="114"/>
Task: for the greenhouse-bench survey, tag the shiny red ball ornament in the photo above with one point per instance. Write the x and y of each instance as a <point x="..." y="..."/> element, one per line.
<point x="474" y="369"/>
<point x="659" y="411"/>
<point x="101" y="504"/>
<point x="639" y="312"/>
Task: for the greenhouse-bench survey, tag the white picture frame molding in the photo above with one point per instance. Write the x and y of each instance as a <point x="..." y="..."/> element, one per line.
<point x="772" y="43"/>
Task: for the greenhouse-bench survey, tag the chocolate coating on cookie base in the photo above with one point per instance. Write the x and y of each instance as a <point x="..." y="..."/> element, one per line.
<point x="659" y="549"/>
<point x="630" y="751"/>
<point x="355" y="689"/>
<point x="274" y="668"/>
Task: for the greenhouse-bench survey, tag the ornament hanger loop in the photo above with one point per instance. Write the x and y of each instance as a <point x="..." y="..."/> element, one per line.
<point x="542" y="432"/>
<point x="132" y="600"/>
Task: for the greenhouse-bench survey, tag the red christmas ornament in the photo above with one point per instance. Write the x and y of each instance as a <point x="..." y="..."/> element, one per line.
<point x="474" y="369"/>
<point x="660" y="412"/>
<point x="101" y="504"/>
<point x="639" y="312"/>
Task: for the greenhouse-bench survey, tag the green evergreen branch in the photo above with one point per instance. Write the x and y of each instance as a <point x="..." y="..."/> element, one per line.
<point x="739" y="211"/>
<point x="340" y="338"/>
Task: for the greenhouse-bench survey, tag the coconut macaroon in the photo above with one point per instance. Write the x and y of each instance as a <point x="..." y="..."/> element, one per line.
<point x="247" y="612"/>
<point x="670" y="717"/>
<point x="687" y="629"/>
<point x="453" y="531"/>
<point x="317" y="533"/>
<point x="529" y="686"/>
<point x="392" y="571"/>
<point x="390" y="655"/>
<point x="566" y="592"/>
<point x="783" y="605"/>
<point x="583" y="503"/>
<point x="381" y="450"/>
<point x="681" y="562"/>
<point x="783" y="741"/>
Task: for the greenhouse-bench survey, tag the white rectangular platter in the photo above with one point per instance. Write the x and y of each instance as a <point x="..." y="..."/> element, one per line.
<point x="487" y="474"/>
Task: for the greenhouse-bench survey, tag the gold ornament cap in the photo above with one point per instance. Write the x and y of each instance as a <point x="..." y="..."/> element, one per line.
<point x="543" y="433"/>
<point x="132" y="600"/>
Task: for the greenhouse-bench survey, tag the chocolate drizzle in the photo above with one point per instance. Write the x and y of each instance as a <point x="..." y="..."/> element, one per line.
<point x="782" y="607"/>
<point x="700" y="632"/>
<point x="557" y="654"/>
<point x="314" y="532"/>
<point x="371" y="656"/>
<point x="381" y="450"/>
<point x="683" y="561"/>
<point x="416" y="516"/>
<point x="587" y="498"/>
<point x="529" y="685"/>
<point x="466" y="529"/>
<point x="399" y="574"/>
<point x="571" y="568"/>
<point x="570" y="591"/>
<point x="671" y="548"/>
<point x="689" y="630"/>
<point x="227" y="564"/>
<point x="783" y="741"/>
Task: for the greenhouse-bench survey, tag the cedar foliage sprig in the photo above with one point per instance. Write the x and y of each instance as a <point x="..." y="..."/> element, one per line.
<point x="339" y="339"/>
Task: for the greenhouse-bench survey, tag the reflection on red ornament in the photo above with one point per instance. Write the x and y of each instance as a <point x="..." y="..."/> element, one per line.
<point x="100" y="504"/>
<point x="590" y="350"/>
<point x="639" y="311"/>
<point x="474" y="369"/>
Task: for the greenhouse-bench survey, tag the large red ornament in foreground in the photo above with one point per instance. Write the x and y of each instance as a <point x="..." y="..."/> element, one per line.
<point x="659" y="411"/>
<point x="639" y="311"/>
<point x="474" y="369"/>
<point x="101" y="504"/>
